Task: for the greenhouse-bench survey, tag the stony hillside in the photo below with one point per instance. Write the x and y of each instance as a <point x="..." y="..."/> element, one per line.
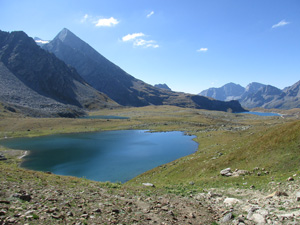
<point x="38" y="83"/>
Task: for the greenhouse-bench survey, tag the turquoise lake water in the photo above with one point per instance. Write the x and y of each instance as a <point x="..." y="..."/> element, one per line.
<point x="262" y="113"/>
<point x="103" y="156"/>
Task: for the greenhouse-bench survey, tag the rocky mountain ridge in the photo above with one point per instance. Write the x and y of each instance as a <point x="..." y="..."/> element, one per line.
<point x="258" y="95"/>
<point x="36" y="82"/>
<point x="123" y="88"/>
<point x="163" y="86"/>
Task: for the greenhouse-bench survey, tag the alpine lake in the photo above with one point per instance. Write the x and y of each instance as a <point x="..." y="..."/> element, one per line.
<point x="115" y="156"/>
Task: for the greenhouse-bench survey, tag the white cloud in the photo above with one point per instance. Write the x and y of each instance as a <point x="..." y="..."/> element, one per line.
<point x="150" y="14"/>
<point x="42" y="41"/>
<point x="86" y="16"/>
<point x="137" y="41"/>
<point x="130" y="37"/>
<point x="202" y="50"/>
<point x="146" y="43"/>
<point x="280" y="24"/>
<point x="107" y="22"/>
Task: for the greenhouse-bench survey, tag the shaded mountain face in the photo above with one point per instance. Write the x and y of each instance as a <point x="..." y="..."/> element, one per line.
<point x="254" y="87"/>
<point x="290" y="98"/>
<point x="34" y="79"/>
<point x="123" y="88"/>
<point x="263" y="97"/>
<point x="259" y="95"/>
<point x="99" y="72"/>
<point x="163" y="86"/>
<point x="230" y="91"/>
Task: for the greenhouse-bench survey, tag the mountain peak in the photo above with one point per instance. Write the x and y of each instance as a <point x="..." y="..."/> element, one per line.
<point x="163" y="86"/>
<point x="65" y="34"/>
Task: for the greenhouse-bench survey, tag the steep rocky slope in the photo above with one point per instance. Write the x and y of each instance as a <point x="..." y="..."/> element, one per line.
<point x="34" y="80"/>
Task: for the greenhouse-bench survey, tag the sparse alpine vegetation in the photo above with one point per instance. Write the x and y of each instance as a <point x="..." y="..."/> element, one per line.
<point x="261" y="152"/>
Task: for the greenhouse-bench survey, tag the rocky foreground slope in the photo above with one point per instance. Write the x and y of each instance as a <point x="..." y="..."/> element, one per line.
<point x="28" y="197"/>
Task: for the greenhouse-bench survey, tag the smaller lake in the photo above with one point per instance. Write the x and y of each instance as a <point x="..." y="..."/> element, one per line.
<point x="103" y="156"/>
<point x="262" y="113"/>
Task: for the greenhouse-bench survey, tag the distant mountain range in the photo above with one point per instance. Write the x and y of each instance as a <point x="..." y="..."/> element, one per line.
<point x="38" y="83"/>
<point x="123" y="88"/>
<point x="257" y="95"/>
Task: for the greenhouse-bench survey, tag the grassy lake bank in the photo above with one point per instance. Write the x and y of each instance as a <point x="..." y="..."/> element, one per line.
<point x="244" y="142"/>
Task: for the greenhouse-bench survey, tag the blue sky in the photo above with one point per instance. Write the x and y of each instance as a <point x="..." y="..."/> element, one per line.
<point x="190" y="45"/>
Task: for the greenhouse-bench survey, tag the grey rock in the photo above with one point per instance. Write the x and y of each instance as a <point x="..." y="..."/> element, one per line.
<point x="240" y="173"/>
<point x="226" y="172"/>
<point x="148" y="184"/>
<point x="257" y="218"/>
<point x="231" y="201"/>
<point x="24" y="197"/>
<point x="227" y="217"/>
<point x="2" y="157"/>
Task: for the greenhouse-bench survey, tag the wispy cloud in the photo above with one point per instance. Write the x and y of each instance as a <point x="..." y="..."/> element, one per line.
<point x="130" y="37"/>
<point x="106" y="22"/>
<point x="85" y="17"/>
<point x="280" y="24"/>
<point x="140" y="42"/>
<point x="150" y="14"/>
<point x="202" y="50"/>
<point x="146" y="43"/>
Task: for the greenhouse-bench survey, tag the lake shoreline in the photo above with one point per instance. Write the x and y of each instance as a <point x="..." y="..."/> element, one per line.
<point x="141" y="149"/>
